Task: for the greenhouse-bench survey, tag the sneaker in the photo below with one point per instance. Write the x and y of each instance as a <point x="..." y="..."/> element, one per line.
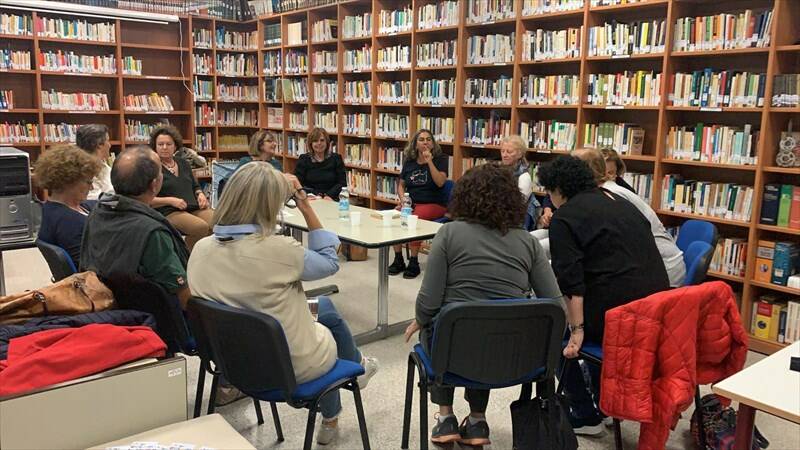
<point x="592" y="426"/>
<point x="608" y="421"/>
<point x="474" y="434"/>
<point x="227" y="395"/>
<point x="445" y="431"/>
<point x="327" y="432"/>
<point x="398" y="265"/>
<point x="413" y="270"/>
<point x="370" y="368"/>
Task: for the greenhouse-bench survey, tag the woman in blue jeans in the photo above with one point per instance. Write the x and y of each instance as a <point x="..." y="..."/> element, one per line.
<point x="247" y="264"/>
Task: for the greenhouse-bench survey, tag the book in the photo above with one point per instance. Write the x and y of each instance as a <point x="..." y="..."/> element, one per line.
<point x="784" y="205"/>
<point x="767" y="317"/>
<point x="487" y="11"/>
<point x="295" y="33"/>
<point x="785" y="262"/>
<point x="794" y="214"/>
<point x="770" y="203"/>
<point x="765" y="254"/>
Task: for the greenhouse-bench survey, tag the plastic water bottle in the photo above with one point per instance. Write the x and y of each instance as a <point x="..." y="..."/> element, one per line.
<point x="344" y="204"/>
<point x="405" y="211"/>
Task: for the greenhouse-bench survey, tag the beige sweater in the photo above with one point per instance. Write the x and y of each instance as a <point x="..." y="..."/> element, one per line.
<point x="263" y="274"/>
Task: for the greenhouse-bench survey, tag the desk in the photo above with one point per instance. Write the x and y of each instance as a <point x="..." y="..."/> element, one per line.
<point x="767" y="385"/>
<point x="370" y="234"/>
<point x="210" y="431"/>
<point x="11" y="246"/>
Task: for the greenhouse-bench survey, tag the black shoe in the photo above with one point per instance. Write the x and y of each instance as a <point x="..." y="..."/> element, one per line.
<point x="413" y="270"/>
<point x="474" y="434"/>
<point x="591" y="426"/>
<point x="446" y="431"/>
<point x="398" y="265"/>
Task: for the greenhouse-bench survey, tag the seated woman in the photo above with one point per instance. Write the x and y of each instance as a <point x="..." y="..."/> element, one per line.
<point x="180" y="199"/>
<point x="245" y="264"/>
<point x="670" y="253"/>
<point x="483" y="254"/>
<point x="615" y="168"/>
<point x="604" y="256"/>
<point x="67" y="173"/>
<point x="93" y="139"/>
<point x="262" y="148"/>
<point x="320" y="170"/>
<point x="423" y="176"/>
<point x="512" y="154"/>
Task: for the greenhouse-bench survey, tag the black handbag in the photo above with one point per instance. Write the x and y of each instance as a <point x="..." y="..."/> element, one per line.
<point x="541" y="423"/>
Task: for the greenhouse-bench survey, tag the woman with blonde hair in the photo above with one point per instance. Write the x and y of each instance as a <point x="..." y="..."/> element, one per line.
<point x="263" y="146"/>
<point x="321" y="170"/>
<point x="512" y="154"/>
<point x="257" y="269"/>
<point x="423" y="176"/>
<point x="615" y="168"/>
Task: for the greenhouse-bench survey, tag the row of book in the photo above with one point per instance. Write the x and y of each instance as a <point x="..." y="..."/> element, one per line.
<point x="240" y="117"/>
<point x="785" y="89"/>
<point x="202" y="38"/>
<point x="324" y="30"/>
<point x="296" y="62"/>
<point x="237" y="92"/>
<point x="202" y="64"/>
<point x="491" y="131"/>
<point x="203" y="90"/>
<point x="713" y="143"/>
<point x="357" y="155"/>
<point x="357" y="91"/>
<point x="205" y="115"/>
<point x="133" y="130"/>
<point x="70" y="101"/>
<point x="272" y="63"/>
<point x="437" y="15"/>
<point x="600" y="3"/>
<point x="639" y="88"/>
<point x="487" y="11"/>
<point x="394" y="57"/>
<point x="436" y="53"/>
<point x="203" y="141"/>
<point x="395" y="91"/>
<point x="390" y="158"/>
<point x="777" y="262"/>
<point x="713" y="89"/>
<point x="325" y="91"/>
<point x="386" y="187"/>
<point x="549" y="90"/>
<point x="236" y="65"/>
<point x="642" y="183"/>
<point x="234" y="142"/>
<point x="776" y="319"/>
<point x="70" y="62"/>
<point x="542" y="45"/>
<point x="77" y="29"/>
<point x="298" y="120"/>
<point x="19" y="133"/>
<point x="479" y="91"/>
<point x="625" y="138"/>
<point x="16" y="24"/>
<point x="491" y="49"/>
<point x="396" y="21"/>
<point x="723" y="31"/>
<point x="15" y="60"/>
<point x="436" y="92"/>
<point x="294" y="90"/>
<point x="538" y="7"/>
<point x="261" y="7"/>
<point x="236" y="40"/>
<point x="358" y="183"/>
<point x="357" y="26"/>
<point x="729" y="257"/>
<point x="147" y="102"/>
<point x="296" y="33"/>
<point x="391" y="125"/>
<point x="296" y="144"/>
<point x="274" y="117"/>
<point x="272" y="34"/>
<point x="548" y="134"/>
<point x="358" y="59"/>
<point x="442" y="128"/>
<point x="327" y="120"/>
<point x="324" y="61"/>
<point x="131" y="65"/>
<point x="622" y="39"/>
<point x="780" y="206"/>
<point x="705" y="198"/>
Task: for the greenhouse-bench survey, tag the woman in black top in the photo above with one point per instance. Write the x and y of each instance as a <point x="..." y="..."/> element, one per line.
<point x="604" y="255"/>
<point x="180" y="199"/>
<point x="320" y="170"/>
<point x="423" y="176"/>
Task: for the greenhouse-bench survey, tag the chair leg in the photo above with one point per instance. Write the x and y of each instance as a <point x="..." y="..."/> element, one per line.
<point x="407" y="406"/>
<point x="561" y="373"/>
<point x="617" y="435"/>
<point x="213" y="397"/>
<point x="362" y="421"/>
<point x="698" y="406"/>
<point x="259" y="414"/>
<point x="423" y="413"/>
<point x="201" y="384"/>
<point x="312" y="418"/>
<point x="277" y="420"/>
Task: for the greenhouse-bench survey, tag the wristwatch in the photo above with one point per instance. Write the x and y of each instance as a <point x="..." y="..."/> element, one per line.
<point x="574" y="328"/>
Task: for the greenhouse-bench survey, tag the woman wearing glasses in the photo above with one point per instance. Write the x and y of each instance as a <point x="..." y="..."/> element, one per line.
<point x="256" y="269"/>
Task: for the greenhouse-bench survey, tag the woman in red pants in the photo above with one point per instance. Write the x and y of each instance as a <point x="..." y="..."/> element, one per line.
<point x="422" y="177"/>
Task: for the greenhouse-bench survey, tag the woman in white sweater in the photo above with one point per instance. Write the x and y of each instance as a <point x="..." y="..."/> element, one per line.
<point x="512" y="154"/>
<point x="247" y="265"/>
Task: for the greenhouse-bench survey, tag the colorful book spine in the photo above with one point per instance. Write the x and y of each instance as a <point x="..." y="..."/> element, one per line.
<point x="548" y="134"/>
<point x="296" y="62"/>
<point x="203" y="90"/>
<point x="202" y="38"/>
<point x="298" y="120"/>
<point x="205" y="115"/>
<point x="714" y="89"/>
<point x="203" y="141"/>
<point x="391" y="125"/>
<point x="390" y="158"/>
<point x="358" y="59"/>
<point x="147" y="103"/>
<point x="487" y="11"/>
<point x="491" y="49"/>
<point x="324" y="61"/>
<point x="234" y="143"/>
<point x="625" y="138"/>
<point x="295" y="90"/>
<point x="437" y="54"/>
<point x="642" y="183"/>
<point x="138" y="131"/>
<point x="272" y="63"/>
<point x="625" y="39"/>
<point x="543" y="45"/>
<point x="60" y="133"/>
<point x="443" y="128"/>
<point x="479" y="91"/>
<point x="272" y="90"/>
<point x="723" y="31"/>
<point x="70" y="62"/>
<point x="73" y="101"/>
<point x="730" y="257"/>
<point x="357" y="26"/>
<point x="491" y="131"/>
<point x="438" y="15"/>
<point x="549" y="90"/>
<point x="396" y="21"/>
<point x="325" y="91"/>
<point x="131" y="66"/>
<point x="394" y="57"/>
<point x="15" y="60"/>
<point x="77" y="29"/>
<point x="236" y="65"/>
<point x="723" y="200"/>
<point x="600" y="3"/>
<point x="436" y="92"/>
<point x="203" y="64"/>
<point x="357" y="91"/>
<point x="19" y="133"/>
<point x="640" y="88"/>
<point x="296" y="144"/>
<point x="357" y="155"/>
<point x="237" y="92"/>
<point x="236" y="40"/>
<point x="538" y="7"/>
<point x="15" y="24"/>
<point x="386" y="187"/>
<point x="358" y="183"/>
<point x="327" y="120"/>
<point x="7" y="99"/>
<point x="324" y="30"/>
<point x="237" y="117"/>
<point x="272" y="34"/>
<point x="394" y="91"/>
<point x="721" y="144"/>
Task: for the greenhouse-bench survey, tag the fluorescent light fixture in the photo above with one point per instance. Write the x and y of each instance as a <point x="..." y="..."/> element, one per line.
<point x="89" y="11"/>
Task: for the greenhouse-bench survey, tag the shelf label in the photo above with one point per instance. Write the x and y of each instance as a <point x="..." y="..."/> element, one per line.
<point x="81" y="112"/>
<point x="500" y="64"/>
<point x="436" y="106"/>
<point x="156" y="77"/>
<point x="615" y="107"/>
<point x="543" y="150"/>
<point x="620" y="56"/>
<point x="707" y="108"/>
<point x="156" y="112"/>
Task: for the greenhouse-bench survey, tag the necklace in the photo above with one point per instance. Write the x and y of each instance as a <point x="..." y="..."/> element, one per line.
<point x="173" y="169"/>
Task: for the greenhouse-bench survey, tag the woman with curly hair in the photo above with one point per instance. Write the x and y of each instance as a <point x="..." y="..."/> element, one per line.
<point x="423" y="176"/>
<point x="67" y="173"/>
<point x="604" y="256"/>
<point x="483" y="254"/>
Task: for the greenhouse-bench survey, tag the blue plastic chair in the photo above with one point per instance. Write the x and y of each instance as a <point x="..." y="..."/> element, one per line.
<point x="250" y="350"/>
<point x="58" y="260"/>
<point x="489" y="344"/>
<point x="697" y="257"/>
<point x="448" y="193"/>
<point x="696" y="230"/>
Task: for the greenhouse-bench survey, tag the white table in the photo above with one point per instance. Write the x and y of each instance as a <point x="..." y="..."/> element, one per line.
<point x="8" y="246"/>
<point x="210" y="431"/>
<point x="767" y="385"/>
<point x="370" y="234"/>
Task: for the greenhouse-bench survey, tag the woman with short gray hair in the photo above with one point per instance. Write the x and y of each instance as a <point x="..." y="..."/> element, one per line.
<point x="93" y="138"/>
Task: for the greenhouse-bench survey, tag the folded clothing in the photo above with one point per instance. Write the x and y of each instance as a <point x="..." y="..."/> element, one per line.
<point x="54" y="356"/>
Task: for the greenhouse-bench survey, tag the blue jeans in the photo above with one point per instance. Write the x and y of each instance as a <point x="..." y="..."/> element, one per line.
<point x="331" y="404"/>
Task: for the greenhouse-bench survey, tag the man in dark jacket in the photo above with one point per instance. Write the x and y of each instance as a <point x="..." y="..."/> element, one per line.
<point x="124" y="235"/>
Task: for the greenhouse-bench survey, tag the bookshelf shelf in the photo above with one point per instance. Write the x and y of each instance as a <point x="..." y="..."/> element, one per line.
<point x="469" y="106"/>
<point x="481" y="66"/>
<point x="291" y="46"/>
<point x="75" y="41"/>
<point x="785" y="110"/>
<point x="648" y="158"/>
<point x="763" y="345"/>
<point x="723" y="52"/>
<point x="154" y="77"/>
<point x="112" y="112"/>
<point x="723" y="109"/>
<point x="17" y="37"/>
<point x="417" y="69"/>
<point x="718" y="220"/>
<point x="20" y="71"/>
<point x="551" y="61"/>
<point x="237" y="50"/>
<point x="744" y="167"/>
<point x="270" y="48"/>
<point x="486" y="146"/>
<point x="638" y="6"/>
<point x="168" y="48"/>
<point x="786" y="170"/>
<point x="19" y="111"/>
<point x="620" y="107"/>
<point x="423" y="105"/>
<point x="782" y="230"/>
<point x="71" y="74"/>
<point x="548" y="106"/>
<point x="554" y="15"/>
<point x="356" y="167"/>
<point x="725" y="276"/>
<point x="357" y="39"/>
<point x="624" y="57"/>
<point x="158" y="113"/>
<point x="386" y="171"/>
<point x="324" y="43"/>
<point x="789" y="48"/>
<point x="20" y="144"/>
<point x="402" y="34"/>
<point x="473" y="25"/>
<point x="436" y="30"/>
<point x="775" y="287"/>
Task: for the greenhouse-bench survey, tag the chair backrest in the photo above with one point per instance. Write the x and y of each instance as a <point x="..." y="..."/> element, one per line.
<point x="697" y="258"/>
<point x="448" y="189"/>
<point x="696" y="230"/>
<point x="59" y="261"/>
<point x="248" y="347"/>
<point x="498" y="341"/>
<point x="221" y="186"/>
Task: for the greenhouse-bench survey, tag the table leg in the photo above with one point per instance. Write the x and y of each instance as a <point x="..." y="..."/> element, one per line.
<point x="2" y="276"/>
<point x="297" y="234"/>
<point x="745" y="420"/>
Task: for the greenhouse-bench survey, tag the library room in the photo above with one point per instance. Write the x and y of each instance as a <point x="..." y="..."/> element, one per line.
<point x="584" y="215"/>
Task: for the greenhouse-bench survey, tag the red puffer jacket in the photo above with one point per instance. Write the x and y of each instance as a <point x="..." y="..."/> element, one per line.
<point x="657" y="349"/>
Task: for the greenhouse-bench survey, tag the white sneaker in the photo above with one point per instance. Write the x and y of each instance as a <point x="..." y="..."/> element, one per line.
<point x="327" y="432"/>
<point x="370" y="368"/>
<point x="608" y="421"/>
